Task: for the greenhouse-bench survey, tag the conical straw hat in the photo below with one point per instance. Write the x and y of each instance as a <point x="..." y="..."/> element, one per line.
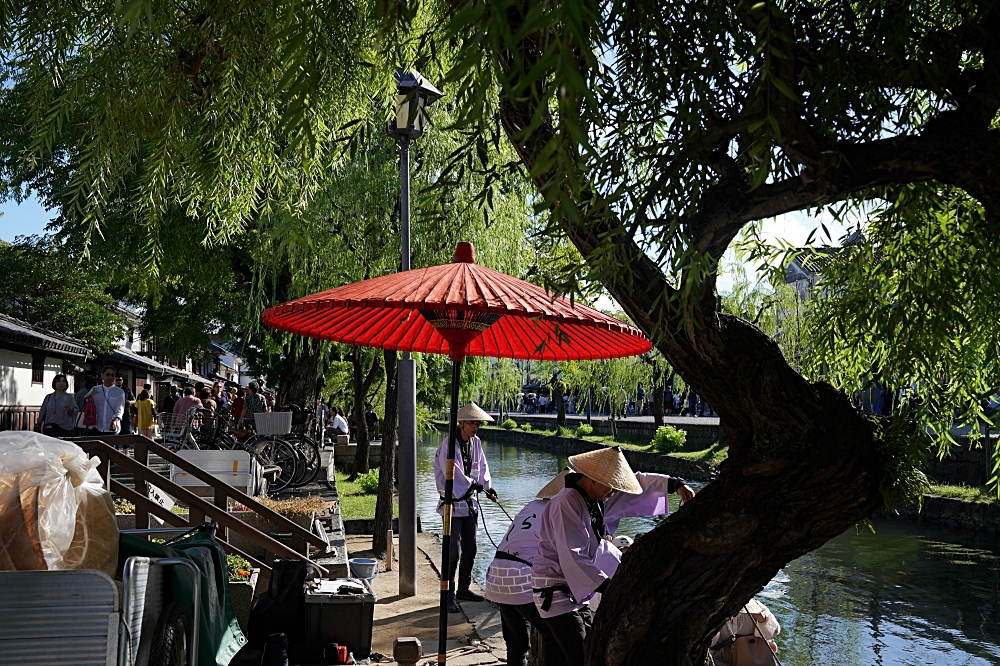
<point x="552" y="488"/>
<point x="473" y="412"/>
<point x="607" y="465"/>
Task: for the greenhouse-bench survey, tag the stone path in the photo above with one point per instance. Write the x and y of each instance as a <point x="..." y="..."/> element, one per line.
<point x="473" y="635"/>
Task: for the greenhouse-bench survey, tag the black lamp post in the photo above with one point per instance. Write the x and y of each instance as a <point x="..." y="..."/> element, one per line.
<point x="414" y="95"/>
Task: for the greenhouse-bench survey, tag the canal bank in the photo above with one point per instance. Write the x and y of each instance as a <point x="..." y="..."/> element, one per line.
<point x="908" y="593"/>
<point x="642" y="461"/>
<point x="948" y="512"/>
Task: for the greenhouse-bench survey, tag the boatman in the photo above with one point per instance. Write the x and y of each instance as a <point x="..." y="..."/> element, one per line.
<point x="509" y="576"/>
<point x="472" y="476"/>
<point x="575" y="560"/>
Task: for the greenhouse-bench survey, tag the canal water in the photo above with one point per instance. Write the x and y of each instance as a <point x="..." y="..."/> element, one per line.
<point x="907" y="594"/>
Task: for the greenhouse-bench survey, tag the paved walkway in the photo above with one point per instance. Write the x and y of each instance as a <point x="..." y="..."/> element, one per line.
<point x="473" y="635"/>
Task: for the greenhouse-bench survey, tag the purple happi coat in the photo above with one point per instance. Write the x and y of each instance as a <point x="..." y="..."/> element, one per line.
<point x="511" y="582"/>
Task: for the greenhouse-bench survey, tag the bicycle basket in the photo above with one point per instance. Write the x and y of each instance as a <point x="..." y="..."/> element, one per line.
<point x="273" y="423"/>
<point x="171" y="425"/>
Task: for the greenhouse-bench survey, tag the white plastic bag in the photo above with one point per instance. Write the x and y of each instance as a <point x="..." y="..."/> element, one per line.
<point x="54" y="510"/>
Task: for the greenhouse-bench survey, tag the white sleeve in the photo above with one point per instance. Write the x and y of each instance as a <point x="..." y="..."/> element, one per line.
<point x="572" y="538"/>
<point x="461" y="481"/>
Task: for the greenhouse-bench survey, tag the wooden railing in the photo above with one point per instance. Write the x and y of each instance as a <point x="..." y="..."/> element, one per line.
<point x="18" y="417"/>
<point x="199" y="509"/>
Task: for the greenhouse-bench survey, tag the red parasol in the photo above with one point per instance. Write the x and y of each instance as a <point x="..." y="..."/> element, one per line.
<point x="460" y="309"/>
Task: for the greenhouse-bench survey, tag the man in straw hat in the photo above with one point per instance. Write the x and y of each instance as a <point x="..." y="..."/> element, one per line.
<point x="472" y="476"/>
<point x="575" y="559"/>
<point x="509" y="577"/>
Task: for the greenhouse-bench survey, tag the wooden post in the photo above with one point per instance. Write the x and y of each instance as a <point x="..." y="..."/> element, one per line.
<point x="141" y="454"/>
<point x="388" y="550"/>
<point x="222" y="502"/>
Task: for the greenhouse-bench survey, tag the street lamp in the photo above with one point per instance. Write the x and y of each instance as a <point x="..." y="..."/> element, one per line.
<point x="414" y="94"/>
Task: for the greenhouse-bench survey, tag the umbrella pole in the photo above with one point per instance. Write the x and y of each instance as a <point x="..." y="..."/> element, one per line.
<point x="449" y="494"/>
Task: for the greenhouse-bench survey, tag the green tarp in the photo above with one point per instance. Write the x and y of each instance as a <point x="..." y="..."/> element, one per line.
<point x="219" y="635"/>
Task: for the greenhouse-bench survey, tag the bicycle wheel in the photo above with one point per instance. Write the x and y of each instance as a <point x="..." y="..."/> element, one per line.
<point x="310" y="461"/>
<point x="280" y="453"/>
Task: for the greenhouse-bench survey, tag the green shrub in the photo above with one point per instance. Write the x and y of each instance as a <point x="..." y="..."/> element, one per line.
<point x="123" y="506"/>
<point x="509" y="424"/>
<point x="368" y="482"/>
<point x="583" y="430"/>
<point x="526" y="427"/>
<point x="668" y="439"/>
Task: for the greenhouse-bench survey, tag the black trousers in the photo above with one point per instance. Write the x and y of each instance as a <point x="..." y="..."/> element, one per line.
<point x="53" y="430"/>
<point x="516" y="623"/>
<point x="570" y="632"/>
<point x="463" y="533"/>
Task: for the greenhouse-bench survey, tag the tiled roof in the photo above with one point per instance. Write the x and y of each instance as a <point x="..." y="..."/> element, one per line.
<point x="25" y="334"/>
<point x="125" y="355"/>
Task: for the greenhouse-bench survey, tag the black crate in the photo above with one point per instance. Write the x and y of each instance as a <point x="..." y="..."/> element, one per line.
<point x="345" y="619"/>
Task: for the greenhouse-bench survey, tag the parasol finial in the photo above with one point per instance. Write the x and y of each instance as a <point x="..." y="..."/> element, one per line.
<point x="464" y="254"/>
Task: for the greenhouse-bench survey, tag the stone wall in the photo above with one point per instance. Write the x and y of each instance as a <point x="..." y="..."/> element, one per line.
<point x="965" y="465"/>
<point x="699" y="436"/>
<point x="343" y="455"/>
<point x="641" y="461"/>
<point x="955" y="513"/>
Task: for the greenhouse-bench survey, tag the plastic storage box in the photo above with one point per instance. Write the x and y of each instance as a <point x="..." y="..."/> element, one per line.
<point x="340" y="611"/>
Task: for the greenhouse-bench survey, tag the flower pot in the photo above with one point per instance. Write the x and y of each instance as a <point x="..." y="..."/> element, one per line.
<point x="241" y="595"/>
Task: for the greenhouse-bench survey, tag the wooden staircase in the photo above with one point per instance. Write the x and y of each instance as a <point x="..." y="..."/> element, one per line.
<point x="150" y="464"/>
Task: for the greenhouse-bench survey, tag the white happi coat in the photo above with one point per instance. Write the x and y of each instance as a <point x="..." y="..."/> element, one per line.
<point x="569" y="553"/>
<point x="480" y="472"/>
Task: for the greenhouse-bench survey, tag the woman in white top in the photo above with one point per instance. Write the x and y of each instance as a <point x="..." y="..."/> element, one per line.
<point x="57" y="416"/>
<point x="109" y="400"/>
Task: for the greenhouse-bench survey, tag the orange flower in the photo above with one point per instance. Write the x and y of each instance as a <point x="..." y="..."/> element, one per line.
<point x="242" y="572"/>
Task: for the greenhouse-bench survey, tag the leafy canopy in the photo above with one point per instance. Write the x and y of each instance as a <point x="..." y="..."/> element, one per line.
<point x="44" y="287"/>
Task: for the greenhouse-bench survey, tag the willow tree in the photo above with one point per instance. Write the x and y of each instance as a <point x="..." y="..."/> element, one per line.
<point x="655" y="133"/>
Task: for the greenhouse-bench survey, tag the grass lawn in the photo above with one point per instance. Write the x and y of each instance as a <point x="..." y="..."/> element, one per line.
<point x="354" y="503"/>
<point x="713" y="454"/>
<point x="967" y="493"/>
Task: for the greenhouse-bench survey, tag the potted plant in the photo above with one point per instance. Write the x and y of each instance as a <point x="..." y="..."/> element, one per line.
<point x="242" y="583"/>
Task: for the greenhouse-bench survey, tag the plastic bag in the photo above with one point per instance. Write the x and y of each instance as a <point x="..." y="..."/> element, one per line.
<point x="54" y="510"/>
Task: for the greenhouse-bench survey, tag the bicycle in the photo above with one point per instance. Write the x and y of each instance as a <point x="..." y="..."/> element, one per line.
<point x="268" y="448"/>
<point x="310" y="461"/>
<point x="176" y="431"/>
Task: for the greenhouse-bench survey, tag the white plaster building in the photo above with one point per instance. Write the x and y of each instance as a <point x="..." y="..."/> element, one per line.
<point x="30" y="357"/>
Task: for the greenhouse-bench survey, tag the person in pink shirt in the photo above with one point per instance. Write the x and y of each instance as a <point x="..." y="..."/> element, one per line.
<point x="187" y="402"/>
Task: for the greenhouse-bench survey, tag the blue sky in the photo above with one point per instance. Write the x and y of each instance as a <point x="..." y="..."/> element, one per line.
<point x="23" y="220"/>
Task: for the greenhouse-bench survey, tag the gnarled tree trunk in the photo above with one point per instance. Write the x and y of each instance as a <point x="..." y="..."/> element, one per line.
<point x="362" y="382"/>
<point x="299" y="369"/>
<point x="557" y="396"/>
<point x="386" y="466"/>
<point x="803" y="464"/>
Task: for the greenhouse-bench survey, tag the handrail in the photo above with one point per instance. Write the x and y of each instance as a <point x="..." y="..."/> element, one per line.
<point x="276" y="518"/>
<point x="197" y="505"/>
<point x="171" y="518"/>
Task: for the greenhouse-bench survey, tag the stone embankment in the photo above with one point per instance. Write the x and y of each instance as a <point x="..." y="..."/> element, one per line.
<point x="954" y="513"/>
<point x="642" y="461"/>
<point x="701" y="432"/>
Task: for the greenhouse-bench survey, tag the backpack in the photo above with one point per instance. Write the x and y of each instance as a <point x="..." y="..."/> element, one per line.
<point x="282" y="608"/>
<point x="89" y="413"/>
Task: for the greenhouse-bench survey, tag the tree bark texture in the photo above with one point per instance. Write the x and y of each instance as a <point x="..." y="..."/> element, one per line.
<point x="387" y="465"/>
<point x="362" y="382"/>
<point x="299" y="369"/>
<point x="557" y="397"/>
